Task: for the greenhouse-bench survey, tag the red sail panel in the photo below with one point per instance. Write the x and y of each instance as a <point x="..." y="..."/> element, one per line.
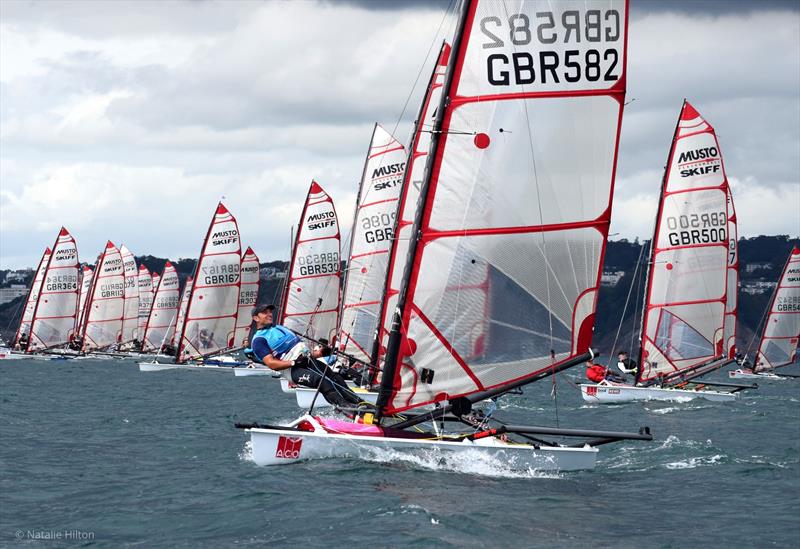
<point x="370" y="240"/>
<point x="145" y="285"/>
<point x="311" y="299"/>
<point x="520" y="188"/>
<point x="248" y="295"/>
<point x="32" y="299"/>
<point x="106" y="302"/>
<point x="779" y="341"/>
<point x="409" y="197"/>
<point x="54" y="316"/>
<point x="214" y="297"/>
<point x="164" y="312"/>
<point x="688" y="276"/>
<point x="732" y="296"/>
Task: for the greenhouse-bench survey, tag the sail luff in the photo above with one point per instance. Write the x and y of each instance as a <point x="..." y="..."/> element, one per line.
<point x="86" y="282"/>
<point x="732" y="298"/>
<point x="32" y="298"/>
<point x="781" y="333"/>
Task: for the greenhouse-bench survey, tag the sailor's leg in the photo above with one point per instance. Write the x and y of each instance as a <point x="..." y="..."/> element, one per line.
<point x="310" y="377"/>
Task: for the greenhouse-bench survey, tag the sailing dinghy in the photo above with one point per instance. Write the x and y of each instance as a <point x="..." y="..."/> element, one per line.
<point x="130" y="312"/>
<point x="23" y="331"/>
<point x="146" y="288"/>
<point x="519" y="186"/>
<point x="686" y="300"/>
<point x="779" y="339"/>
<point x="161" y="322"/>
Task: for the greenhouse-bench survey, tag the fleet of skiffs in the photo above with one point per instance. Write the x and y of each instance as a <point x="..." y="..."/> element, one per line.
<point x="473" y="266"/>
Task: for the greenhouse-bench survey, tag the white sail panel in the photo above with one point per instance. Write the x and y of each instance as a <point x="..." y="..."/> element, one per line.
<point x="32" y="299"/>
<point x="409" y="196"/>
<point x="54" y="317"/>
<point x="184" y="305"/>
<point x="248" y="296"/>
<point x="688" y="278"/>
<point x="130" y="315"/>
<point x="311" y="302"/>
<point x="732" y="296"/>
<point x="370" y="240"/>
<point x="164" y="312"/>
<point x="106" y="302"/>
<point x="779" y="341"/>
<point x="145" y="286"/>
<point x="87" y="277"/>
<point x="520" y="194"/>
<point x="214" y="298"/>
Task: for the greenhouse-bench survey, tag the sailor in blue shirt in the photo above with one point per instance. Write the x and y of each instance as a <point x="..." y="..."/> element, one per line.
<point x="280" y="349"/>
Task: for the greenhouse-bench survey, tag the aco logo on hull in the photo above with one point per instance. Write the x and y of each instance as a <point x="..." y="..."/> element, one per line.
<point x="289" y="447"/>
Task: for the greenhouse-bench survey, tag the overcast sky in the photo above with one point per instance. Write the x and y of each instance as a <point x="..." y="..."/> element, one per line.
<point x="130" y="120"/>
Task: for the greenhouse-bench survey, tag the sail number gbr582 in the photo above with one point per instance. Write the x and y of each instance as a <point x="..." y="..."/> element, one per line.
<point x="572" y="46"/>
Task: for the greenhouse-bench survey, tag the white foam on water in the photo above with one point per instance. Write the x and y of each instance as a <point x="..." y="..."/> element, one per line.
<point x="695" y="462"/>
<point x="246" y="453"/>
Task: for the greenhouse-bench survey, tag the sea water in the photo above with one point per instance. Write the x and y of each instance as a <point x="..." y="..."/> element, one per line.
<point x="96" y="453"/>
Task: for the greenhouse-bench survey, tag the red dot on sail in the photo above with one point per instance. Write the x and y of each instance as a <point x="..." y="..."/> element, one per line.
<point x="482" y="140"/>
<point x="299" y="289"/>
<point x="669" y="266"/>
<point x="363" y="269"/>
<point x="408" y="346"/>
<point x="199" y="297"/>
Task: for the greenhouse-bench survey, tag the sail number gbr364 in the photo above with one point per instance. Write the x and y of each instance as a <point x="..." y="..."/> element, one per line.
<point x="547" y="47"/>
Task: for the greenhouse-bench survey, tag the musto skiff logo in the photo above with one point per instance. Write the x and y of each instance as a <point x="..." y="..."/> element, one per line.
<point x="702" y="161"/>
<point x="289" y="447"/>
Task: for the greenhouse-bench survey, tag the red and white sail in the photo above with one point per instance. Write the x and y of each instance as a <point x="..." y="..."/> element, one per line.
<point x="130" y="315"/>
<point x="248" y="295"/>
<point x="732" y="296"/>
<point x="33" y="297"/>
<point x="214" y="298"/>
<point x="105" y="304"/>
<point x="54" y="316"/>
<point x="519" y="189"/>
<point x="311" y="299"/>
<point x="145" y="286"/>
<point x="187" y="292"/>
<point x="409" y="197"/>
<point x="688" y="277"/>
<point x="779" y="341"/>
<point x="370" y="240"/>
<point x="87" y="276"/>
<point x="164" y="312"/>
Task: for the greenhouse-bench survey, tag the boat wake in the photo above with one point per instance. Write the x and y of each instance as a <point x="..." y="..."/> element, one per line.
<point x="670" y="454"/>
<point x="246" y="454"/>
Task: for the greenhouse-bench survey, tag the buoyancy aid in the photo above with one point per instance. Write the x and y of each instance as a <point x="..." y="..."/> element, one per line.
<point x="280" y="339"/>
<point x="595" y="373"/>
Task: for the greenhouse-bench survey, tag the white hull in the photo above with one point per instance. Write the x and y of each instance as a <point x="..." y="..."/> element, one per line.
<point x="159" y="366"/>
<point x="740" y="374"/>
<point x="609" y="394"/>
<point x="284" y="446"/>
<point x="248" y="372"/>
<point x="7" y="354"/>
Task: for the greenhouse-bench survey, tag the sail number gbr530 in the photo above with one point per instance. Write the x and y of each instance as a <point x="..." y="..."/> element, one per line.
<point x="573" y="46"/>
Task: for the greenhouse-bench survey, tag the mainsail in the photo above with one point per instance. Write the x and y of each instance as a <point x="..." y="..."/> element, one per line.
<point x="518" y="191"/>
<point x="311" y="298"/>
<point x="104" y="306"/>
<point x="54" y="316"/>
<point x="130" y="315"/>
<point x="146" y="287"/>
<point x="409" y="199"/>
<point x="33" y="297"/>
<point x="248" y="295"/>
<point x="732" y="296"/>
<point x="87" y="277"/>
<point x="370" y="240"/>
<point x="684" y="315"/>
<point x="214" y="297"/>
<point x="187" y="291"/>
<point x="163" y="314"/>
<point x="778" y="345"/>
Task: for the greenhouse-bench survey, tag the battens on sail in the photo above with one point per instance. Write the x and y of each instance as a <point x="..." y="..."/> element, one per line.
<point x="409" y="198"/>
<point x="779" y="341"/>
<point x="33" y="297"/>
<point x="311" y="298"/>
<point x="145" y="285"/>
<point x="520" y="188"/>
<point x="248" y="295"/>
<point x="732" y="295"/>
<point x="87" y="277"/>
<point x="106" y="301"/>
<point x="214" y="297"/>
<point x="163" y="314"/>
<point x="130" y="314"/>
<point x="187" y="291"/>
<point x="686" y="295"/>
<point x="370" y="240"/>
<point x="54" y="316"/>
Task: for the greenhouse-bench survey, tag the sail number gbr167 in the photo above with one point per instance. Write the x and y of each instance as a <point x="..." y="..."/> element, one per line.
<point x="570" y="47"/>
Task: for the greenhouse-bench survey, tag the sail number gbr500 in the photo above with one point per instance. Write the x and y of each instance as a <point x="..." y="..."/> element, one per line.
<point x="572" y="46"/>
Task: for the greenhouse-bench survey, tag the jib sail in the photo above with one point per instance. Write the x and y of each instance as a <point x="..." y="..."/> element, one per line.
<point x="519" y="191"/>
<point x="311" y="300"/>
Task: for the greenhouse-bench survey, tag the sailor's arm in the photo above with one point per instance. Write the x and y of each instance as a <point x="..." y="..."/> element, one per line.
<point x="621" y="365"/>
<point x="277" y="364"/>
